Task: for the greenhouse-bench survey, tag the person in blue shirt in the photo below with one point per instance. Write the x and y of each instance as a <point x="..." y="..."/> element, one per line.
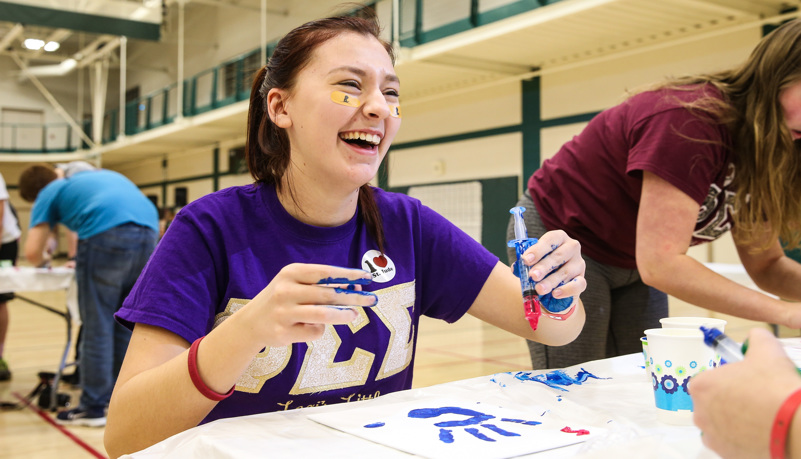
<point x="117" y="229"/>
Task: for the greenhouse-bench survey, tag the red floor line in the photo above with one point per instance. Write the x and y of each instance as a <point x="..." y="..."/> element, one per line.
<point x="60" y="428"/>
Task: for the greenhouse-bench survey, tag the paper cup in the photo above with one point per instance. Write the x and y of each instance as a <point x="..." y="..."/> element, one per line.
<point x="693" y="322"/>
<point x="676" y="355"/>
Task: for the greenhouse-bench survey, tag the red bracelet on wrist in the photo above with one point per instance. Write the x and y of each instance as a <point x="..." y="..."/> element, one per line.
<point x="195" y="376"/>
<point x="561" y="316"/>
<point x="781" y="425"/>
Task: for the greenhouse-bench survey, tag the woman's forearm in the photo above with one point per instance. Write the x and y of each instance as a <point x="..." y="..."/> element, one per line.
<point x="687" y="279"/>
<point x="149" y="405"/>
<point x="781" y="278"/>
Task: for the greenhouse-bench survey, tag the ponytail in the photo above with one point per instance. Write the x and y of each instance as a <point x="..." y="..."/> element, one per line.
<point x="371" y="216"/>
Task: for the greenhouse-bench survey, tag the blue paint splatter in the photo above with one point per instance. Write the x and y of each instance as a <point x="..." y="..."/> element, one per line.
<point x="474" y="432"/>
<point x="374" y="425"/>
<point x="557" y="378"/>
<point x="498" y="430"/>
<point x="522" y="421"/>
<point x="475" y="416"/>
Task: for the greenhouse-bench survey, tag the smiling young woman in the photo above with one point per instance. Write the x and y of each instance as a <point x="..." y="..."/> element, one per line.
<point x="307" y="287"/>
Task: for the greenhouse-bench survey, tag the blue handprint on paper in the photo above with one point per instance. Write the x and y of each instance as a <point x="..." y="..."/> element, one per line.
<point x="474" y="418"/>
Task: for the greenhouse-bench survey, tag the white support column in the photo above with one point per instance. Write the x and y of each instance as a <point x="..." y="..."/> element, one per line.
<point x="179" y="114"/>
<point x="123" y="83"/>
<point x="396" y="26"/>
<point x="263" y="27"/>
<point x="99" y="80"/>
<point x="81" y="95"/>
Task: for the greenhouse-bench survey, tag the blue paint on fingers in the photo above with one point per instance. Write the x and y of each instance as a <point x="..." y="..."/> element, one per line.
<point x="359" y="292"/>
<point x="344" y="280"/>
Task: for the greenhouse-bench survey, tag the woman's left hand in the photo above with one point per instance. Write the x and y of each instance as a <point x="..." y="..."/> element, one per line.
<point x="556" y="265"/>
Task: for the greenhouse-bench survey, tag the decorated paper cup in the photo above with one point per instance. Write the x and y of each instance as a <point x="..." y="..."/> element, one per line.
<point x="693" y="322"/>
<point x="676" y="355"/>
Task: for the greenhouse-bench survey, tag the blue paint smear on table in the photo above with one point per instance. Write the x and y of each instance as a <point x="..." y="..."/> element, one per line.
<point x="522" y="421"/>
<point x="497" y="429"/>
<point x="475" y="416"/>
<point x="557" y="379"/>
<point x="445" y="436"/>
<point x="474" y="432"/>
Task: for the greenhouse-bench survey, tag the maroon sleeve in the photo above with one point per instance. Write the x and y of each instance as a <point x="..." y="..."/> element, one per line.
<point x="674" y="144"/>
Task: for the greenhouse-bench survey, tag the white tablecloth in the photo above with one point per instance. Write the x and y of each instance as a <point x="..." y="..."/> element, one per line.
<point x="623" y="404"/>
<point x="27" y="279"/>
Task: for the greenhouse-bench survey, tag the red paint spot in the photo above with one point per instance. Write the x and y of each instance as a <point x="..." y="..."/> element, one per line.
<point x="577" y="432"/>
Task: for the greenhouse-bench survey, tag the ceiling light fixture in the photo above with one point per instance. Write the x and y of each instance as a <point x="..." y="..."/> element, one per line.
<point x="51" y="46"/>
<point x="33" y="43"/>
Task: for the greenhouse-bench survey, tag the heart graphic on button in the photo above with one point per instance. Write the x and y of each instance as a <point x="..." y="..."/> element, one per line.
<point x="380" y="261"/>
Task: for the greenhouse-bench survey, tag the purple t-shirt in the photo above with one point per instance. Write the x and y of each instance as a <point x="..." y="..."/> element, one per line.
<point x="223" y="249"/>
<point x="591" y="188"/>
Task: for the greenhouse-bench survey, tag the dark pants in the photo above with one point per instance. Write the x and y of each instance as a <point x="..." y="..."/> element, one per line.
<point x="107" y="267"/>
<point x="8" y="251"/>
<point x="619" y="307"/>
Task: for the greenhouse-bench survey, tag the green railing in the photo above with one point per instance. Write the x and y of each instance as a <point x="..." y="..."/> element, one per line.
<point x="421" y="21"/>
<point x="37" y="138"/>
<point x="424" y="21"/>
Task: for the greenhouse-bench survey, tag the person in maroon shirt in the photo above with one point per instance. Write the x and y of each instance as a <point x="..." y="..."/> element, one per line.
<point x="674" y="166"/>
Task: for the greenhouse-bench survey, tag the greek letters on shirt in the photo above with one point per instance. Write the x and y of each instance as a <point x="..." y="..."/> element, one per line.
<point x="319" y="372"/>
<point x="715" y="214"/>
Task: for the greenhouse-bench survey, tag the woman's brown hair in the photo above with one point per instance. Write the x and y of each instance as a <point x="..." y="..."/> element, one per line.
<point x="267" y="148"/>
<point x="766" y="158"/>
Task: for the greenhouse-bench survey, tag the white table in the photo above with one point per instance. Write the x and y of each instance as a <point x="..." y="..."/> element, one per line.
<point x="622" y="404"/>
<point x="28" y="279"/>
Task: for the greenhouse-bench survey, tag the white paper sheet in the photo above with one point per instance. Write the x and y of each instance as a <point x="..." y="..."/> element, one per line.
<point x="451" y="427"/>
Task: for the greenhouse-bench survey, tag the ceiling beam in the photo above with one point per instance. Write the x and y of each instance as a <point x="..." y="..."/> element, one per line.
<point x="483" y="66"/>
<point x="222" y="3"/>
<point x="12" y="35"/>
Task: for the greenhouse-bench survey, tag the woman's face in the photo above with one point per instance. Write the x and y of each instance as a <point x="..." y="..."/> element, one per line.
<point x="325" y="117"/>
<point x="790" y="100"/>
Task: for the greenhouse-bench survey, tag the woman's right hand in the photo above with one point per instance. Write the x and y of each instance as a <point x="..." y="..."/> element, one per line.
<point x="302" y="299"/>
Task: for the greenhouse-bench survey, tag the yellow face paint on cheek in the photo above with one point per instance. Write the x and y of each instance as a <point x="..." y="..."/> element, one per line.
<point x="339" y="97"/>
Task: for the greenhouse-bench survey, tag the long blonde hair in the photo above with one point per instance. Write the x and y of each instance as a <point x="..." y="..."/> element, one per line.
<point x="767" y="160"/>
